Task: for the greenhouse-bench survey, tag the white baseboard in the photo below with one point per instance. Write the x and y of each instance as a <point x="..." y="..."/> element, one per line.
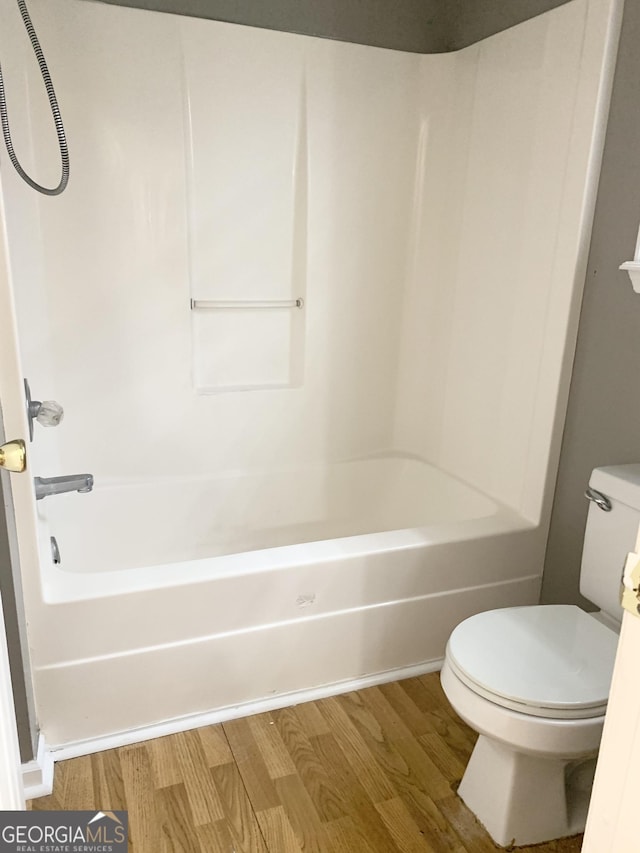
<point x="37" y="774"/>
<point x="221" y="715"/>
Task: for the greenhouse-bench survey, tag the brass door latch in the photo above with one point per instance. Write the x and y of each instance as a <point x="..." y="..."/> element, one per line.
<point x="13" y="456"/>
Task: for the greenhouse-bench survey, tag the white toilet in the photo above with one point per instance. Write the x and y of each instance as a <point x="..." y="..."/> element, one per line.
<point x="534" y="683"/>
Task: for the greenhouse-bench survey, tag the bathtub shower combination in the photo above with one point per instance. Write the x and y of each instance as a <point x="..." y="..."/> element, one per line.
<point x="310" y="309"/>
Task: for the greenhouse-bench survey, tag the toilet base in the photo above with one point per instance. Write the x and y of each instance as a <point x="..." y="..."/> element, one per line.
<point x="525" y="799"/>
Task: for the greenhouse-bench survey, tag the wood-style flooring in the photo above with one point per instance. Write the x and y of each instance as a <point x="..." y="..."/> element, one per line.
<point x="372" y="771"/>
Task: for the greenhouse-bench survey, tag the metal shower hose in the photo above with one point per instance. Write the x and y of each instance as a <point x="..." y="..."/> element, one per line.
<point x="57" y="118"/>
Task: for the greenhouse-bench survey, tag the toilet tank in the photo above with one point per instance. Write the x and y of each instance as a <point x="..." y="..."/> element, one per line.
<point x="609" y="536"/>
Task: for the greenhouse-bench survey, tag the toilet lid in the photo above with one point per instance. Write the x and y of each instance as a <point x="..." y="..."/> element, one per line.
<point x="553" y="661"/>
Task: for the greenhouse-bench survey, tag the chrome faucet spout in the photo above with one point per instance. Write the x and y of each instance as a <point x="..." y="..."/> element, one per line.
<point x="46" y="486"/>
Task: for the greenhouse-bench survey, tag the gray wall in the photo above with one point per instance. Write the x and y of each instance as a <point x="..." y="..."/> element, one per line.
<point x="419" y="26"/>
<point x="603" y="419"/>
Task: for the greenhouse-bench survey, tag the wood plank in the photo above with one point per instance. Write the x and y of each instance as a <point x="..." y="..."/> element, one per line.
<point x="277" y="831"/>
<point x="433" y="688"/>
<point x="456" y="734"/>
<point x="240" y="818"/>
<point x="476" y="838"/>
<point x="76" y="781"/>
<point x="321" y="788"/>
<point x="274" y="753"/>
<point x="311" y="720"/>
<point x="358" y="805"/>
<point x="390" y="722"/>
<point x="248" y="758"/>
<point x="164" y="761"/>
<point x="347" y="835"/>
<point x="414" y="719"/>
<point x="437" y="831"/>
<point x="108" y="787"/>
<point x="144" y="817"/>
<point x="403" y="760"/>
<point x="421" y="768"/>
<point x="407" y="836"/>
<point x="215" y="745"/>
<point x="194" y="771"/>
<point x="358" y="754"/>
<point x="362" y="716"/>
<point x="175" y="828"/>
<point x="214" y="838"/>
<point x="301" y="814"/>
<point x="418" y="783"/>
<point x="431" y="702"/>
<point x="445" y="759"/>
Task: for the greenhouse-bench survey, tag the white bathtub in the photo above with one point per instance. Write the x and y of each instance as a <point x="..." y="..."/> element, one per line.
<point x="185" y="599"/>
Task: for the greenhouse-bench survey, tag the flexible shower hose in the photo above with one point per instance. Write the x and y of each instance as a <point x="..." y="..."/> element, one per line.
<point x="57" y="118"/>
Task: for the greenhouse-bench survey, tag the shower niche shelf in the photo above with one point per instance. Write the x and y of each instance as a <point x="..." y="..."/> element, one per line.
<point x="247" y="195"/>
<point x="242" y="345"/>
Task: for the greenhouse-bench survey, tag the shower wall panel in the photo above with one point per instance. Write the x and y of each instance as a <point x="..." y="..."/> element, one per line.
<point x="24" y="233"/>
<point x="331" y="162"/>
<point x="498" y="256"/>
<point x="431" y="211"/>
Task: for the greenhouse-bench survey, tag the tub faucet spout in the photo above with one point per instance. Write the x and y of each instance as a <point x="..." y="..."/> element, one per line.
<point x="46" y="486"/>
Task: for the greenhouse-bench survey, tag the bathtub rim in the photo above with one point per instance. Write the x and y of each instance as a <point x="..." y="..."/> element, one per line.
<point x="59" y="586"/>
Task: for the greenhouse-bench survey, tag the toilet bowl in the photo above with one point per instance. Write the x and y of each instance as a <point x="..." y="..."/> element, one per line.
<point x="533" y="682"/>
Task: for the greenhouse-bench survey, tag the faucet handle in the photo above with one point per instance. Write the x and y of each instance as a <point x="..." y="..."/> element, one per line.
<point x="50" y="413"/>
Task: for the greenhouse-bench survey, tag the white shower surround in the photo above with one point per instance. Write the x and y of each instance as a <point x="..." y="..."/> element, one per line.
<point x="438" y="212"/>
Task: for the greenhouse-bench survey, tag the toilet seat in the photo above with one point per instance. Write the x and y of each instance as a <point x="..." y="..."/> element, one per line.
<point x="552" y="661"/>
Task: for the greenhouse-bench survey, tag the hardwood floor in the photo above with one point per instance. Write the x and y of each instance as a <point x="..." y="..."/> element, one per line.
<point x="370" y="771"/>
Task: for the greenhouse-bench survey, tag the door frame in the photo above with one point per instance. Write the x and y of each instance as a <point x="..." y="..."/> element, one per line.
<point x="11" y="788"/>
<point x="612" y="824"/>
<point x="22" y="532"/>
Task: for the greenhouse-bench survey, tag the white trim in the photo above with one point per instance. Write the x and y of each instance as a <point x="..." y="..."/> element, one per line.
<point x="37" y="774"/>
<point x="233" y="712"/>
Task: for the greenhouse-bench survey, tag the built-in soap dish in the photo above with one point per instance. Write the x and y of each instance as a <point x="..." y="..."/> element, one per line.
<point x="633" y="267"/>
